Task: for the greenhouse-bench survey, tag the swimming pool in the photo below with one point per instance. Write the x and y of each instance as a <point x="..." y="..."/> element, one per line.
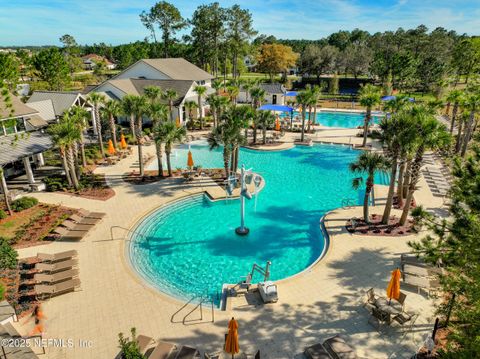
<point x="189" y="247"/>
<point x="340" y="119"/>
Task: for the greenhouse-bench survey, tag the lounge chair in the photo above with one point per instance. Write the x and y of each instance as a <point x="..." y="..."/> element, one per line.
<point x="143" y="342"/>
<point x="83" y="220"/>
<point x="76" y="227"/>
<point x="162" y="351"/>
<point x="332" y="348"/>
<point x="55" y="257"/>
<point x="186" y="353"/>
<point x="47" y="291"/>
<point x="68" y="234"/>
<point x="55" y="277"/>
<point x="87" y="214"/>
<point x="425" y="283"/>
<point x="57" y="266"/>
<point x="268" y="291"/>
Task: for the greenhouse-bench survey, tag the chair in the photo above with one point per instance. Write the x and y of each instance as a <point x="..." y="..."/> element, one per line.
<point x="42" y="291"/>
<point x="401" y="299"/>
<point x="57" y="266"/>
<point x="76" y="227"/>
<point x="55" y="277"/>
<point x="143" y="342"/>
<point x="84" y="220"/>
<point x="378" y="318"/>
<point x="371" y="297"/>
<point x="186" y="353"/>
<point x="87" y="214"/>
<point x="333" y="348"/>
<point x="67" y="234"/>
<point x="162" y="351"/>
<point x="55" y="257"/>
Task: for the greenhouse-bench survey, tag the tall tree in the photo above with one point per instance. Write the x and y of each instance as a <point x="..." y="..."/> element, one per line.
<point x="275" y="58"/>
<point x="190" y="106"/>
<point x="170" y="95"/>
<point x="471" y="104"/>
<point x="9" y="70"/>
<point x="455" y="97"/>
<point x="127" y="109"/>
<point x="51" y="67"/>
<point x="159" y="115"/>
<point x="110" y="110"/>
<point x="200" y="91"/>
<point x="97" y="100"/>
<point x="369" y="96"/>
<point x="265" y="119"/>
<point x="171" y="135"/>
<point x="80" y="116"/>
<point x="140" y="108"/>
<point x="304" y="99"/>
<point x="168" y="19"/>
<point x="239" y="32"/>
<point x="368" y="163"/>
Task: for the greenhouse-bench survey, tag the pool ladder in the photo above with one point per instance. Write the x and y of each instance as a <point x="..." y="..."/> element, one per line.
<point x="125" y="229"/>
<point x="205" y="298"/>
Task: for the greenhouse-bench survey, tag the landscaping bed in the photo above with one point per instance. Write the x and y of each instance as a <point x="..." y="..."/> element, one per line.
<point x="152" y="176"/>
<point x="92" y="186"/>
<point x="376" y="228"/>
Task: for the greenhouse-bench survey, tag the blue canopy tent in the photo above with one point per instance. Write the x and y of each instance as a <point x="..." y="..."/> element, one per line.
<point x="276" y="108"/>
<point x="291" y="93"/>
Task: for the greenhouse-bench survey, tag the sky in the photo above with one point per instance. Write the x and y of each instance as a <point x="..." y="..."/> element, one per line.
<point x="42" y="22"/>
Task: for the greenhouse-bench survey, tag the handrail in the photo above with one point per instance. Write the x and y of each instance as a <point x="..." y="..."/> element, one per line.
<point x="183" y="306"/>
<point x="203" y="299"/>
<point x="126" y="229"/>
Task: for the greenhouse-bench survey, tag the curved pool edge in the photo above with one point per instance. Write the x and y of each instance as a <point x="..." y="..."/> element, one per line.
<point x="180" y="300"/>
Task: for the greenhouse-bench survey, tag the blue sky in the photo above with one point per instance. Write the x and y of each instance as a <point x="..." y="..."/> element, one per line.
<point x="42" y="22"/>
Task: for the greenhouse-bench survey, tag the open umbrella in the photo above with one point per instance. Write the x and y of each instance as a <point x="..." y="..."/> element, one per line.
<point x="111" y="149"/>
<point x="190" y="162"/>
<point x="123" y="143"/>
<point x="393" y="289"/>
<point x="231" y="341"/>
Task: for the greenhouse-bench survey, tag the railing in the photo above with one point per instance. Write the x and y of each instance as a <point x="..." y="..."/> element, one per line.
<point x="125" y="229"/>
<point x="204" y="298"/>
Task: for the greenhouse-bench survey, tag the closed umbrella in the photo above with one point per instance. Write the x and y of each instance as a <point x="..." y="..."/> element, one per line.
<point x="177" y="122"/>
<point x="277" y="124"/>
<point x="231" y="342"/>
<point x="393" y="289"/>
<point x="190" y="162"/>
<point x="111" y="149"/>
<point x="123" y="143"/>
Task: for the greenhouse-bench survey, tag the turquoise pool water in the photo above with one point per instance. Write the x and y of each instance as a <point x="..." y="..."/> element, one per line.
<point x="340" y="119"/>
<point x="190" y="248"/>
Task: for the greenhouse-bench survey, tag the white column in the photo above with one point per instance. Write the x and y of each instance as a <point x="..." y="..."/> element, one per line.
<point x="94" y="123"/>
<point x="40" y="160"/>
<point x="28" y="169"/>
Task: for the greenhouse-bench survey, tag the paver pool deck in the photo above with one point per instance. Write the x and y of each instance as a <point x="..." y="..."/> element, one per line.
<point x="321" y="302"/>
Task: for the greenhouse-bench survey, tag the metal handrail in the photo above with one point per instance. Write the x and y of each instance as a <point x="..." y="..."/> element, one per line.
<point x="126" y="229"/>
<point x="203" y="299"/>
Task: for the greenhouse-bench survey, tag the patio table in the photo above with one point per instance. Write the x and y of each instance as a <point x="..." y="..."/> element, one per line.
<point x="391" y="307"/>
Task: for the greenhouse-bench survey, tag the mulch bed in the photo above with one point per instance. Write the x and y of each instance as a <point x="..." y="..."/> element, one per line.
<point x="376" y="228"/>
<point x="152" y="176"/>
<point x="396" y="204"/>
<point x="100" y="191"/>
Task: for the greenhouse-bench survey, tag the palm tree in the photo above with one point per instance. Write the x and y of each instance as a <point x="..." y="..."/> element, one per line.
<point x="462" y="120"/>
<point x="169" y="133"/>
<point x="233" y="92"/>
<point x="127" y="107"/>
<point x="159" y="115"/>
<point x="398" y="134"/>
<point x="456" y="97"/>
<point x="258" y="95"/>
<point x="189" y="107"/>
<point x="369" y="96"/>
<point x="200" y="90"/>
<point x="65" y="135"/>
<point x="303" y="98"/>
<point x="152" y="93"/>
<point x="170" y="95"/>
<point x="139" y="108"/>
<point x="247" y="86"/>
<point x="217" y="84"/>
<point x="110" y="110"/>
<point x="265" y="119"/>
<point x="471" y="104"/>
<point x="96" y="100"/>
<point x="315" y="92"/>
<point x="367" y="163"/>
<point x="430" y="135"/>
<point x="80" y="116"/>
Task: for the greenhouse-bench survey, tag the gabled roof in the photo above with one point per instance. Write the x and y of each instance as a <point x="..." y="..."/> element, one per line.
<point x="44" y="108"/>
<point x="137" y="87"/>
<point x="19" y="108"/>
<point x="62" y="100"/>
<point x="178" y="69"/>
<point x="274" y="88"/>
<point x="24" y="145"/>
<point x="87" y="89"/>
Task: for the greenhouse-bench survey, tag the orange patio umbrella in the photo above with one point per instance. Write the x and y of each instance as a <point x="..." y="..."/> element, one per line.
<point x="393" y="289"/>
<point x="190" y="162"/>
<point x="111" y="149"/>
<point x="123" y="143"/>
<point x="177" y="122"/>
<point x="277" y="124"/>
<point x="231" y="342"/>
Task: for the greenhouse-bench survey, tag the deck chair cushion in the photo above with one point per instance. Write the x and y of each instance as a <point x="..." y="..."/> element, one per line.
<point x="316" y="351"/>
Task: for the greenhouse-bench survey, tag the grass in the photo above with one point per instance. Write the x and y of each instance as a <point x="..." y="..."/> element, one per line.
<point x="10" y="225"/>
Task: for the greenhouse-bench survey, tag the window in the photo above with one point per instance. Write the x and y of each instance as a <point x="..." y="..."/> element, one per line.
<point x="8" y="127"/>
<point x="20" y="125"/>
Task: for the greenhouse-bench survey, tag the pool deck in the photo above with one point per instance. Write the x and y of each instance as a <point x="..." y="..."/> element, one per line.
<point x="321" y="302"/>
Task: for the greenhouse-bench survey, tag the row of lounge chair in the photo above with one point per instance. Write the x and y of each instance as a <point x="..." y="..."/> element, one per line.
<point x="152" y="349"/>
<point x="77" y="226"/>
<point x="54" y="274"/>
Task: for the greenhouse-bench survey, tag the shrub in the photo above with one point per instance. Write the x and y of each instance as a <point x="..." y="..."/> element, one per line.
<point x="24" y="203"/>
<point x="8" y="255"/>
<point x="129" y="347"/>
<point x="3" y="215"/>
<point x="2" y="291"/>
